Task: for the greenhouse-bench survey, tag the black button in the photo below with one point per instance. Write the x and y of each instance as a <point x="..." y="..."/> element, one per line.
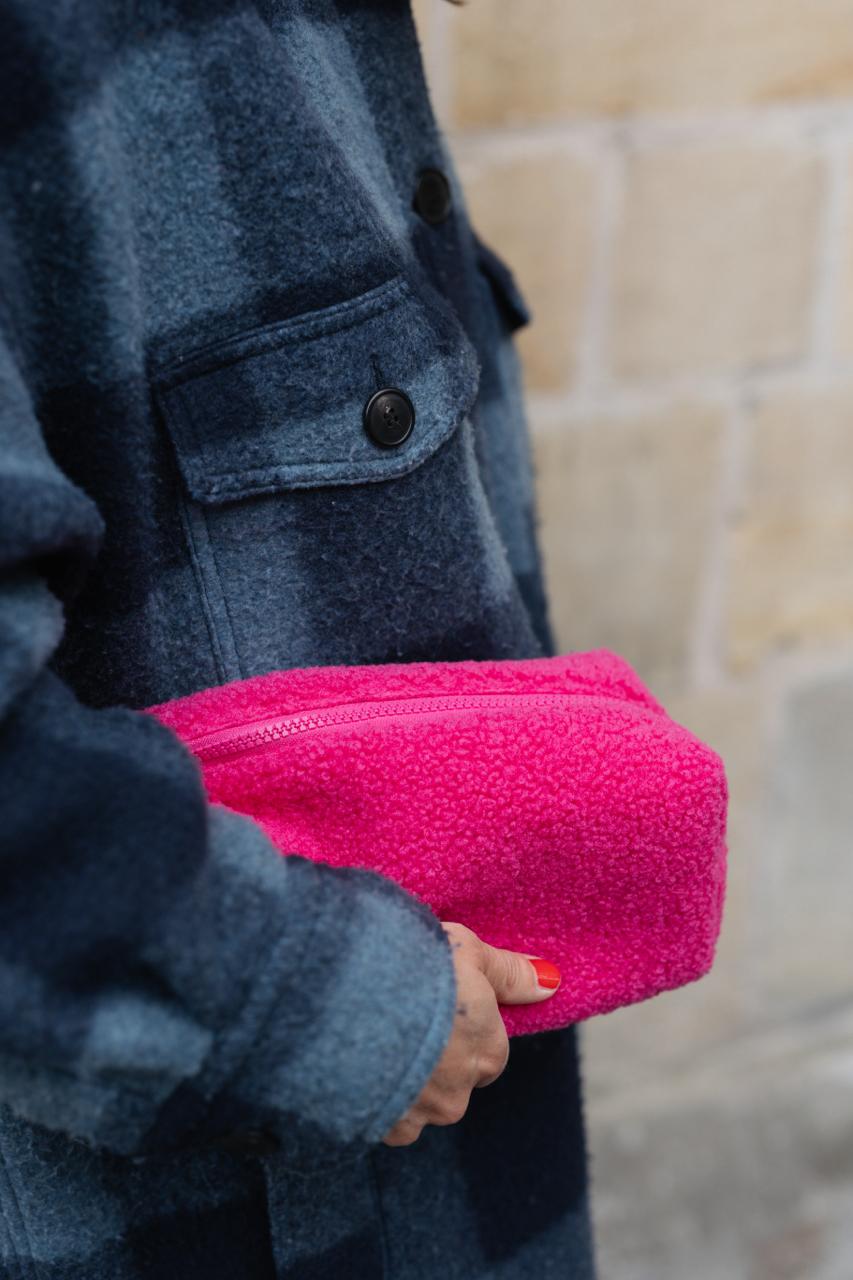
<point x="432" y="196"/>
<point x="248" y="1142"/>
<point x="389" y="416"/>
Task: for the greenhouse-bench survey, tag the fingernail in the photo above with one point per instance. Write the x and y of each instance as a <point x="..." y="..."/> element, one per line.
<point x="547" y="974"/>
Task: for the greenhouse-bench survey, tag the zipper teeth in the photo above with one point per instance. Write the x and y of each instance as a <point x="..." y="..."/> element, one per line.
<point x="232" y="741"/>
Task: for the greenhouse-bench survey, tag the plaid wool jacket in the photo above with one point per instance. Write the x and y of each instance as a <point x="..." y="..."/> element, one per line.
<point x="224" y="226"/>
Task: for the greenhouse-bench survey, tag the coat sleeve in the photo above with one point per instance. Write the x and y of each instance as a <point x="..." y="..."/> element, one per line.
<point x="166" y="977"/>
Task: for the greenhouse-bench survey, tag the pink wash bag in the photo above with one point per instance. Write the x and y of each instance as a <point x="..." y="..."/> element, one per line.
<point x="549" y="804"/>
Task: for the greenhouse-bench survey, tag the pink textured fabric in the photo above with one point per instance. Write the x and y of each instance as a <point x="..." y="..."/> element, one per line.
<point x="568" y="817"/>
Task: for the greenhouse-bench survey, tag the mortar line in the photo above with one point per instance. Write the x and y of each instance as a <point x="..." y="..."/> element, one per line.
<point x="706" y="643"/>
<point x="825" y="310"/>
<point x="767" y="123"/>
<point x="593" y="352"/>
<point x="639" y="397"/>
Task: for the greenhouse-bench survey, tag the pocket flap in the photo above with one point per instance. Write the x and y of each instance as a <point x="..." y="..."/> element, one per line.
<point x="281" y="406"/>
<point x="504" y="285"/>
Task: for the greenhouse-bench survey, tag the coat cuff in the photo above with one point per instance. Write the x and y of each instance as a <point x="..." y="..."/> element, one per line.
<point x="350" y="1007"/>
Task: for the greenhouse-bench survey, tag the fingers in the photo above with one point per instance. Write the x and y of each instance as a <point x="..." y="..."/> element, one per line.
<point x="515" y="979"/>
<point x="478" y="1051"/>
<point x="490" y="1078"/>
<point x="404" y="1133"/>
<point x="448" y="1110"/>
<point x="515" y="976"/>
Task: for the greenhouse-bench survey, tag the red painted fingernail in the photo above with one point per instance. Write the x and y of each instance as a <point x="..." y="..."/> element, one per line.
<point x="547" y="974"/>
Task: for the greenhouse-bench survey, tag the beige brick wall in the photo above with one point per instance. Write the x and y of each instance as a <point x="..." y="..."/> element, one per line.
<point x="672" y="183"/>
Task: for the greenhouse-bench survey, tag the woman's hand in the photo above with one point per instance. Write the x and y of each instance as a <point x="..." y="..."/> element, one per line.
<point x="478" y="1049"/>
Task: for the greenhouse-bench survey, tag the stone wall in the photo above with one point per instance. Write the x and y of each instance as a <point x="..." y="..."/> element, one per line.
<point x="672" y="183"/>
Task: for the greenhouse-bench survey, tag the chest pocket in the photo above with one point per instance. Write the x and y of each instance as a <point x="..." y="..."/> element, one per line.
<point x="311" y="542"/>
<point x="281" y="407"/>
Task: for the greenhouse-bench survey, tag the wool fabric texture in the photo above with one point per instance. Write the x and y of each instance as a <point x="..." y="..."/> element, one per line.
<point x="589" y="829"/>
<point x="210" y="260"/>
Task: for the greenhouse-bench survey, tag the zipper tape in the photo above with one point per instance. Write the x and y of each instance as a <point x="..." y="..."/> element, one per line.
<point x="257" y="734"/>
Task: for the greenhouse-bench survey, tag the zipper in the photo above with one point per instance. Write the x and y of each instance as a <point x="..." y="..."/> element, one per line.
<point x="257" y="734"/>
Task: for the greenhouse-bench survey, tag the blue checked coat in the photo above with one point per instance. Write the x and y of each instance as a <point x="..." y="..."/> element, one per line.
<point x="217" y="243"/>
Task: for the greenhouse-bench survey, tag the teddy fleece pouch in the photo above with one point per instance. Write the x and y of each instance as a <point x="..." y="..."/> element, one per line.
<point x="549" y="804"/>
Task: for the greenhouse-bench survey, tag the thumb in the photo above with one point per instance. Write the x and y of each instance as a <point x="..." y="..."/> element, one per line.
<point x="518" y="978"/>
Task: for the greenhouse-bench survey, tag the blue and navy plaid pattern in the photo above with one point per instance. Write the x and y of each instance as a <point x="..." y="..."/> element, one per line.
<point x="209" y="261"/>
